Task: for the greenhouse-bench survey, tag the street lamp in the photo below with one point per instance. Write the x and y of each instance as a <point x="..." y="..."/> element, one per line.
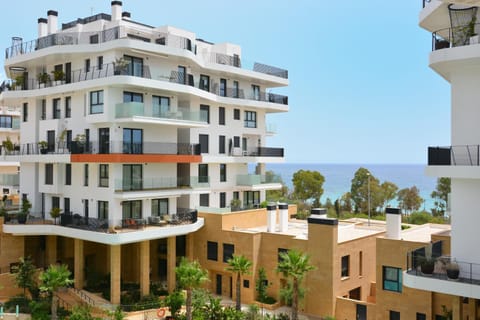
<point x="368" y="175"/>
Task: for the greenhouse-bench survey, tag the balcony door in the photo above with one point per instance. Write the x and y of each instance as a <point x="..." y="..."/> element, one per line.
<point x="104" y="140"/>
<point x="51" y="140"/>
<point x="132" y="141"/>
<point x="135" y="66"/>
<point x="132" y="177"/>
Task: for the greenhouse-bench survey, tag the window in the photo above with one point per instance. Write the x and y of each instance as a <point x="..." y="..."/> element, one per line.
<point x="66" y="205"/>
<point x="236" y="142"/>
<point x="250" y="119"/>
<point x="223" y="172"/>
<point x="251" y="198"/>
<point x="204" y="200"/>
<point x="5" y="122"/>
<point x="161" y="106"/>
<point x="132" y="209"/>
<point x="394" y="315"/>
<point x="221" y="144"/>
<point x="235" y="93"/>
<point x="68" y="174"/>
<point x="421" y="316"/>
<point x="159" y="207"/>
<point x="132" y="141"/>
<point x="44" y="110"/>
<point x="85" y="175"/>
<point x="360" y="263"/>
<point x="49" y="173"/>
<point x="100" y="62"/>
<point x="392" y="279"/>
<point x="246" y="283"/>
<point x="236" y="195"/>
<point x="345" y="266"/>
<point x="205" y="113"/>
<point x="182" y="75"/>
<point x="87" y="65"/>
<point x="203" y="140"/>
<point x="132" y="177"/>
<point x="204" y="82"/>
<point x="255" y="92"/>
<point x="134" y="66"/>
<point x="25" y="112"/>
<point x="223" y="87"/>
<point x="236" y="114"/>
<point x="55" y="202"/>
<point x="102" y="207"/>
<point x="96" y="102"/>
<point x="94" y="39"/>
<point x="68" y="107"/>
<point x="56" y="108"/>
<point x="223" y="199"/>
<point x="212" y="250"/>
<point x="203" y="173"/>
<point x="221" y="116"/>
<point x="228" y="251"/>
<point x="281" y="251"/>
<point x="103" y="175"/>
<point x="132" y="97"/>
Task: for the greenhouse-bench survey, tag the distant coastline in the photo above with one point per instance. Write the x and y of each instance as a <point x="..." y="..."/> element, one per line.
<point x="338" y="177"/>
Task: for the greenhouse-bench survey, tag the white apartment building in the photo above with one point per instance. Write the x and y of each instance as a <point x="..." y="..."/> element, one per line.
<point x="125" y="126"/>
<point x="455" y="56"/>
<point x="9" y="170"/>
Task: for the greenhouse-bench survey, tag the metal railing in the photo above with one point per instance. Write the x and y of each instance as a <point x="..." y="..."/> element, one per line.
<point x="85" y="223"/>
<point x="128" y="32"/>
<point x="85" y="297"/>
<point x="467" y="155"/>
<point x="456" y="36"/>
<point x="158" y="183"/>
<point x="468" y="272"/>
<point x="96" y="147"/>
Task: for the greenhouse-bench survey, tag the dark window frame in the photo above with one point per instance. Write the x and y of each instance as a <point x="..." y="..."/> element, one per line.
<point x="56" y="112"/>
<point x="345" y="266"/>
<point x="68" y="107"/>
<point x="212" y="250"/>
<point x="204" y="200"/>
<point x="103" y="175"/>
<point x="250" y="120"/>
<point x="49" y="173"/>
<point x="25" y="112"/>
<point x="96" y="102"/>
<point x="85" y="175"/>
<point x="221" y="116"/>
<point x="205" y="113"/>
<point x="222" y="144"/>
<point x="68" y="174"/>
<point x="228" y="251"/>
<point x="102" y="209"/>
<point x="236" y="114"/>
<point x="392" y="279"/>
<point x="223" y="172"/>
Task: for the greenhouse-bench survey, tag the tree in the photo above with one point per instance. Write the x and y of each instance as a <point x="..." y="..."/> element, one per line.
<point x="239" y="265"/>
<point x="190" y="275"/>
<point x="409" y="199"/>
<point x="388" y="192"/>
<point x="24" y="278"/>
<point x="261" y="285"/>
<point x="81" y="312"/>
<point x="294" y="265"/>
<point x="308" y="185"/>
<point x="276" y="195"/>
<point x="346" y="202"/>
<point x="362" y="182"/>
<point x="440" y="194"/>
<point x="55" y="277"/>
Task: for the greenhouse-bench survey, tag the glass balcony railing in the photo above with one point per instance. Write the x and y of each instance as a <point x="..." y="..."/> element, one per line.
<point x="139" y="109"/>
<point x="159" y="183"/>
<point x="9" y="179"/>
<point x="256" y="179"/>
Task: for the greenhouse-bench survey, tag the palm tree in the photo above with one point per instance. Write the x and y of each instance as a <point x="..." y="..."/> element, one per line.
<point x="294" y="264"/>
<point x="239" y="265"/>
<point x="190" y="275"/>
<point x="55" y="277"/>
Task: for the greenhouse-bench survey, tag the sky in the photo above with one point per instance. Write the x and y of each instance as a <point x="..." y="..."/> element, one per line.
<point x="360" y="87"/>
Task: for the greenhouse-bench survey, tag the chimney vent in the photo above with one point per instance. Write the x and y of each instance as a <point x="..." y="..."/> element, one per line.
<point x="394" y="223"/>
<point x="116" y="10"/>
<point x="42" y="27"/>
<point x="52" y="21"/>
<point x="271" y="217"/>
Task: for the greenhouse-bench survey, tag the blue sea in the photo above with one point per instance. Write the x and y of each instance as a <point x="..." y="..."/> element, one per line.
<point x="338" y="177"/>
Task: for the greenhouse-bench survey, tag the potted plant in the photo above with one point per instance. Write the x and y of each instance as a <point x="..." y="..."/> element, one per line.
<point x="58" y="76"/>
<point x="25" y="210"/>
<point x="427" y="262"/>
<point x="453" y="270"/>
<point x="8" y="145"/>
<point x="43" y="145"/>
<point x="43" y="78"/>
<point x="472" y="35"/>
<point x="55" y="213"/>
<point x="19" y="81"/>
<point x="235" y="204"/>
<point x="120" y="66"/>
<point x="78" y="144"/>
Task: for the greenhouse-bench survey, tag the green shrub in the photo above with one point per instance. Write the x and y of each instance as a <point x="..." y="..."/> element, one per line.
<point x="40" y="310"/>
<point x="20" y="300"/>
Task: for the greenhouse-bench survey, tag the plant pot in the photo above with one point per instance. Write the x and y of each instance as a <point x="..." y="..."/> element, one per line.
<point x="427" y="267"/>
<point x="44" y="151"/>
<point x="453" y="274"/>
<point x="22" y="219"/>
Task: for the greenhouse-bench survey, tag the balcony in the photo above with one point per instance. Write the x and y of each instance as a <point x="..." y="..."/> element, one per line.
<point x="438" y="278"/>
<point x="9" y="180"/>
<point x="108" y="147"/>
<point x="126" y="32"/>
<point x="111" y="232"/>
<point x="256" y="179"/>
<point x="159" y="183"/>
<point x="138" y="109"/>
<point x="468" y="155"/>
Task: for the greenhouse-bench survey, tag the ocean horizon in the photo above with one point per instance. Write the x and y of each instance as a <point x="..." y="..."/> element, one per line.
<point x="338" y="177"/>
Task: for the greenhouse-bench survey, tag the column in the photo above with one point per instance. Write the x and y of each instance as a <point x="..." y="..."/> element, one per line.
<point x="190" y="245"/>
<point x="457" y="308"/>
<point x="144" y="267"/>
<point x="51" y="250"/>
<point x="472" y="308"/>
<point x="79" y="263"/>
<point x="115" y="273"/>
<point x="171" y="259"/>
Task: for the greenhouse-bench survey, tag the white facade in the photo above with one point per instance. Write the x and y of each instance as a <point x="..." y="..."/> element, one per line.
<point x="139" y="115"/>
